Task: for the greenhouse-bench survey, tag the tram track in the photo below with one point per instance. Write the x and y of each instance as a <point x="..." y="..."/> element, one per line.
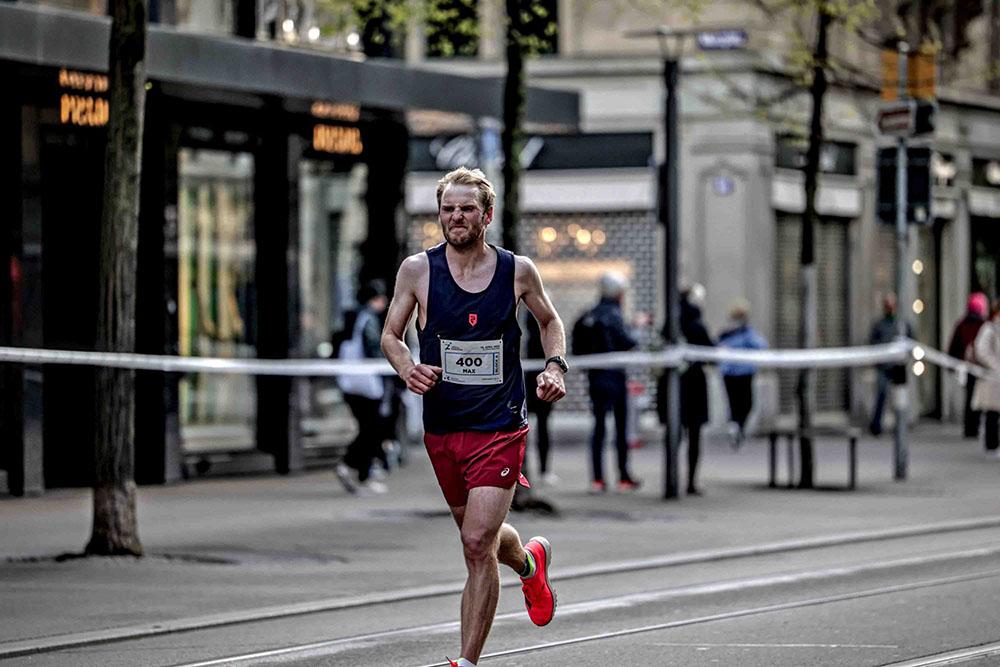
<point x="609" y="604"/>
<point x="953" y="657"/>
<point x="275" y="613"/>
<point x="743" y="613"/>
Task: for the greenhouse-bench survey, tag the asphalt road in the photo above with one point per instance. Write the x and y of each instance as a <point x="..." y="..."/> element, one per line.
<point x="871" y="603"/>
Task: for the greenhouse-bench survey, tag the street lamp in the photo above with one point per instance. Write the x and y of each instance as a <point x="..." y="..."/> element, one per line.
<point x="672" y="42"/>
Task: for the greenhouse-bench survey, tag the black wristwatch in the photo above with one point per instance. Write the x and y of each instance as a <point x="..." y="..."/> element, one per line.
<point x="558" y="361"/>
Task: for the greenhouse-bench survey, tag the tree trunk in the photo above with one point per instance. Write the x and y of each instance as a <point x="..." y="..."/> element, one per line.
<point x="386" y="151"/>
<point x="511" y="138"/>
<point x="807" y="321"/>
<point x="115" y="529"/>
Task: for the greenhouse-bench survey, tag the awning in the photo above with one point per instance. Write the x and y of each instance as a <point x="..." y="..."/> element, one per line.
<point x="54" y="38"/>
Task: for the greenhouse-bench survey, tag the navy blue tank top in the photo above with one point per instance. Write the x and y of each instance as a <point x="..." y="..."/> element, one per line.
<point x="476" y="339"/>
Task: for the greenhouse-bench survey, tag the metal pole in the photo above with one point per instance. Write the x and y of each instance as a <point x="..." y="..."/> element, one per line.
<point x="669" y="218"/>
<point x="899" y="393"/>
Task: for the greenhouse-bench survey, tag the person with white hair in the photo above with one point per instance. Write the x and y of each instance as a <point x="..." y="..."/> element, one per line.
<point x="602" y="329"/>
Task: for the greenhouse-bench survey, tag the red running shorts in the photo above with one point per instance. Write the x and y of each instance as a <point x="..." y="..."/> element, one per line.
<point x="471" y="459"/>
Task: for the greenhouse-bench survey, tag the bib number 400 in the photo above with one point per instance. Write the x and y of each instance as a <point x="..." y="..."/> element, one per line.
<point x="469" y="362"/>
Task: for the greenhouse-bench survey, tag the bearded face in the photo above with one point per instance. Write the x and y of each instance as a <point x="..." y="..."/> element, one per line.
<point x="463" y="220"/>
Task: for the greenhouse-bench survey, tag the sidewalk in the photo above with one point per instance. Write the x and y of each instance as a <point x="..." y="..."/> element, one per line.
<point x="224" y="545"/>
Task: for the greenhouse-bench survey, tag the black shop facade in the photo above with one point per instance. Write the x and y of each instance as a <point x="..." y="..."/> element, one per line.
<point x="271" y="185"/>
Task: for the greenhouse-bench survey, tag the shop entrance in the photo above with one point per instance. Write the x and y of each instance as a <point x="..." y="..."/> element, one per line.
<point x="71" y="185"/>
<point x="332" y="223"/>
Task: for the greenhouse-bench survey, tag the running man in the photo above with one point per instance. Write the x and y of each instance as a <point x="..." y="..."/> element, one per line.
<point x="466" y="293"/>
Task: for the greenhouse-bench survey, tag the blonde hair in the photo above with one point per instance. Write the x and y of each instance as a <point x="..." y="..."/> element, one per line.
<point x="740" y="310"/>
<point x="465" y="176"/>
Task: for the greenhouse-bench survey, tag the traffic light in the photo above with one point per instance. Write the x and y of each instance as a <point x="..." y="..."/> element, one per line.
<point x="925" y="116"/>
<point x="918" y="185"/>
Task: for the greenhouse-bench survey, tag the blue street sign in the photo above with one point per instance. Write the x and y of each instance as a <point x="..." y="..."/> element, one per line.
<point x="722" y="40"/>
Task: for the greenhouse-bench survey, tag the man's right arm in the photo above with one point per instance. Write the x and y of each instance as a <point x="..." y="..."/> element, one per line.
<point x="419" y="378"/>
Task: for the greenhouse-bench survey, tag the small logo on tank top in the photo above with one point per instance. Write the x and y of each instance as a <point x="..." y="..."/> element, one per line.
<point x="473" y="318"/>
<point x="505" y="472"/>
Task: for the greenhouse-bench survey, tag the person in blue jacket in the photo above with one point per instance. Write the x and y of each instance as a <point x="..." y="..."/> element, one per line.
<point x="738" y="377"/>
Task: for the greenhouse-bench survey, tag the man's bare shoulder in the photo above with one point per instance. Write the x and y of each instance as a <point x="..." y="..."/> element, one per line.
<point x="524" y="268"/>
<point x="414" y="268"/>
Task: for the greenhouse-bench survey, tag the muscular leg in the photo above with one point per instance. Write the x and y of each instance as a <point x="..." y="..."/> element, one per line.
<point x="600" y="407"/>
<point x="620" y="408"/>
<point x="694" y="453"/>
<point x="486" y="540"/>
<point x="543" y="439"/>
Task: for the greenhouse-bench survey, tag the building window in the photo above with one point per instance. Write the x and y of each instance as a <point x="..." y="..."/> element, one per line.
<point x="835" y="157"/>
<point x="452" y="28"/>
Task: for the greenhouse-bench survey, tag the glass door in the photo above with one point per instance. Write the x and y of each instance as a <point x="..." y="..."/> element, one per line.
<point x="332" y="222"/>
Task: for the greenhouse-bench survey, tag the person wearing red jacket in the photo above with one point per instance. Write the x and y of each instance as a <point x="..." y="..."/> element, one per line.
<point x="961" y="347"/>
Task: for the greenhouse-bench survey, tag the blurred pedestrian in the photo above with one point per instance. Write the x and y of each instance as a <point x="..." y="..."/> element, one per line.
<point x="738" y="377"/>
<point x="541" y="409"/>
<point x="884" y="331"/>
<point x="962" y="346"/>
<point x="466" y="293"/>
<point x="364" y="393"/>
<point x="694" y="387"/>
<point x="987" y="394"/>
<point x="602" y="329"/>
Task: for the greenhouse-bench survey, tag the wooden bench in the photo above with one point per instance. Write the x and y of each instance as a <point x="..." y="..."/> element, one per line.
<point x="791" y="436"/>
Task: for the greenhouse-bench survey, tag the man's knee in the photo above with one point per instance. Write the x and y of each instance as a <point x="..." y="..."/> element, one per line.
<point x="478" y="544"/>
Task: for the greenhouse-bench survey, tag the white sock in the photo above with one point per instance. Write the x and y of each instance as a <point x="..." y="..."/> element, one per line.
<point x="462" y="662"/>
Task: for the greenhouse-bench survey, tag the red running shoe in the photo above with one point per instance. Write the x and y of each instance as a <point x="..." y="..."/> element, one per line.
<point x="451" y="663"/>
<point x="627" y="485"/>
<point x="539" y="598"/>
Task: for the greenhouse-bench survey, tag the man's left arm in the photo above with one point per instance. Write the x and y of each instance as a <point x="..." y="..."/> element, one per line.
<point x="528" y="283"/>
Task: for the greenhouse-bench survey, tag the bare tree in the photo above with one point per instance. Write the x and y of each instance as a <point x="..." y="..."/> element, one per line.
<point x="115" y="526"/>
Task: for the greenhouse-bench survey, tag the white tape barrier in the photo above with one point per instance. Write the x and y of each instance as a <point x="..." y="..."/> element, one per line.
<point x="154" y="362"/>
<point x="962" y="368"/>
<point x="865" y="355"/>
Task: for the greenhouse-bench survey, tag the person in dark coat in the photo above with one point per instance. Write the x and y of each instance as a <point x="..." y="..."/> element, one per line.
<point x="961" y="347"/>
<point x="884" y="331"/>
<point x="608" y="391"/>
<point x="694" y="387"/>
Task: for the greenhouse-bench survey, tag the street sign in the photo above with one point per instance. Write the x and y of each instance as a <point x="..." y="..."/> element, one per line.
<point x="910" y="118"/>
<point x="897" y="119"/>
<point x="722" y="40"/>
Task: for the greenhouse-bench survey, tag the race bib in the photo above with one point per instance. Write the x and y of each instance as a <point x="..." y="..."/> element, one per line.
<point x="472" y="361"/>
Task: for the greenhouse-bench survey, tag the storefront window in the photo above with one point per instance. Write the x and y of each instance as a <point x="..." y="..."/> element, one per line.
<point x="216" y="295"/>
